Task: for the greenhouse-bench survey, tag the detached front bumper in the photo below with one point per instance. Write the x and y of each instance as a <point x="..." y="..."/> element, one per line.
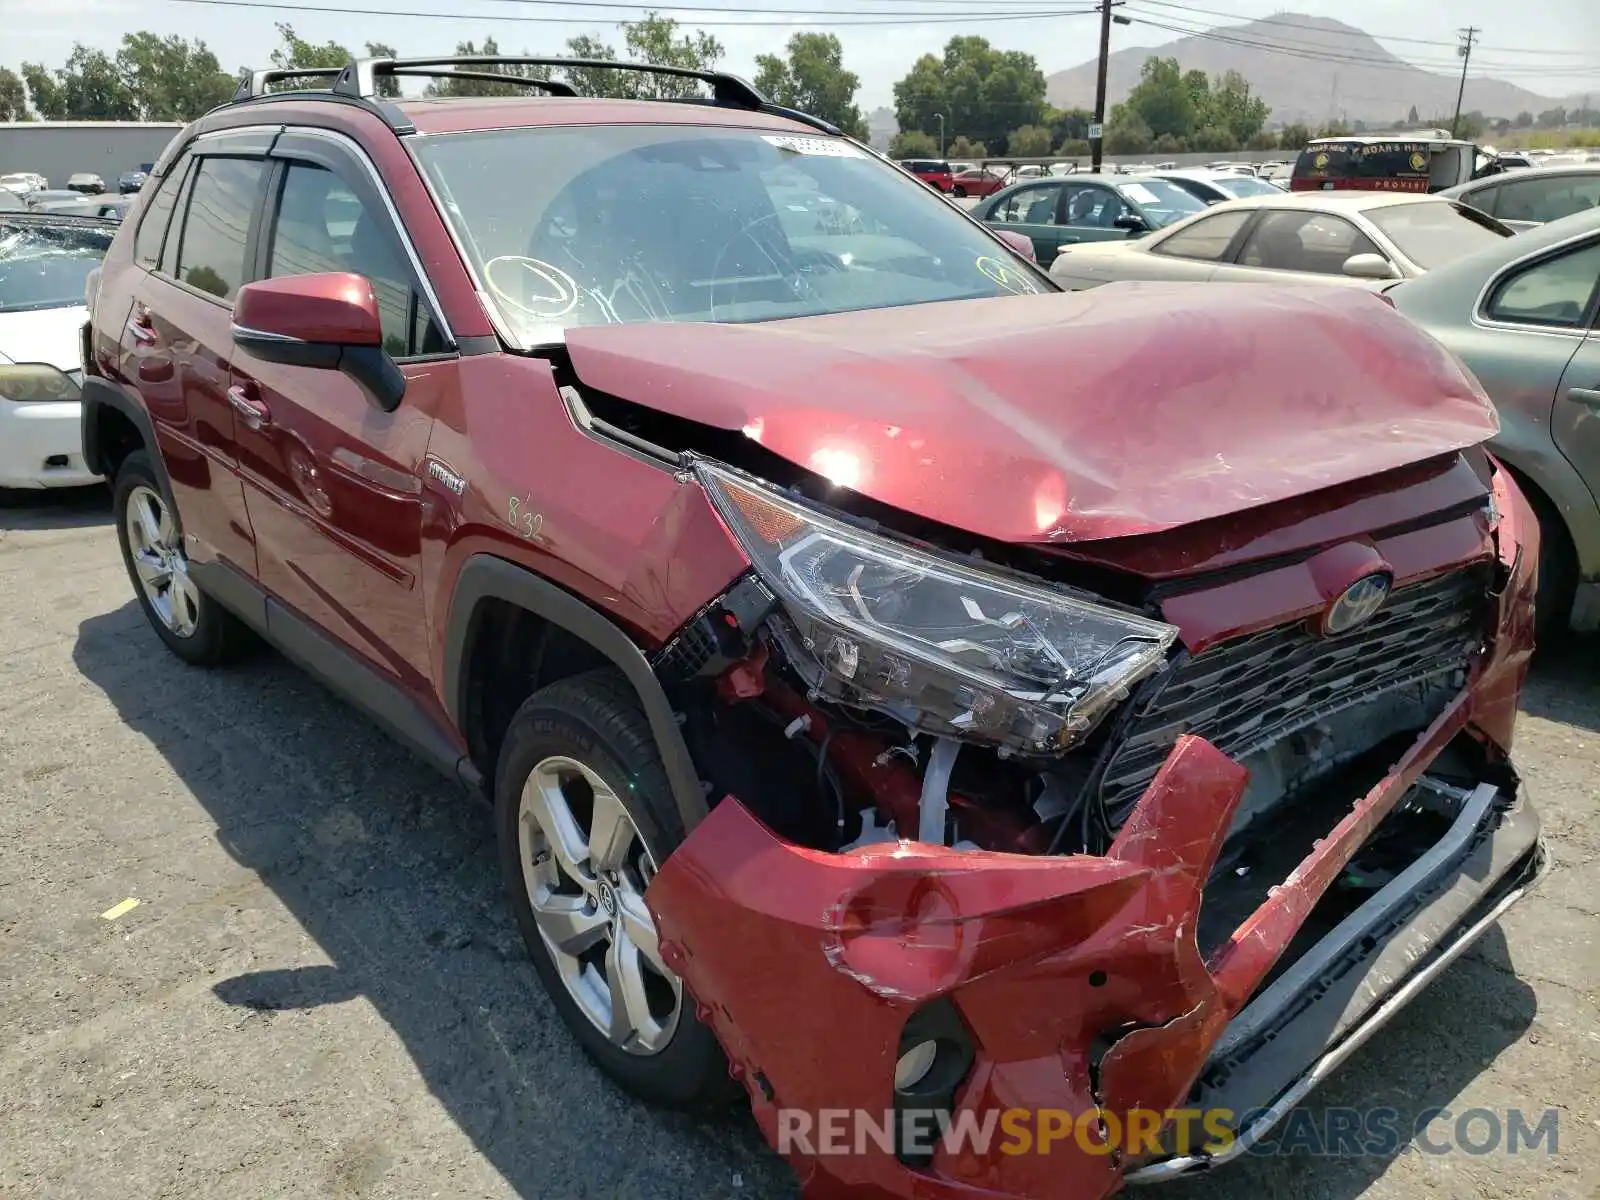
<point x="1077" y="981"/>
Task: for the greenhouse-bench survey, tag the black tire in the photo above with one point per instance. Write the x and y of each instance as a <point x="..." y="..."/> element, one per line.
<point x="595" y="719"/>
<point x="959" y="192"/>
<point x="1558" y="569"/>
<point x="218" y="636"/>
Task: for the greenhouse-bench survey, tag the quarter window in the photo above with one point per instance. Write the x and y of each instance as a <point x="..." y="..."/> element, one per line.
<point x="322" y="225"/>
<point x="1094" y="206"/>
<point x="216" y="226"/>
<point x="1557" y="292"/>
<point x="1548" y="199"/>
<point x="1206" y="240"/>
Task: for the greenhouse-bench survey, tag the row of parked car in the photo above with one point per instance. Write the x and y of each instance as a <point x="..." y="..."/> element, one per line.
<point x="724" y="504"/>
<point x="85" y="194"/>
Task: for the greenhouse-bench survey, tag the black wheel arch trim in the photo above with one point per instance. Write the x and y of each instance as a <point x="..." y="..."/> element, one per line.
<point x="485" y="577"/>
<point x="101" y="393"/>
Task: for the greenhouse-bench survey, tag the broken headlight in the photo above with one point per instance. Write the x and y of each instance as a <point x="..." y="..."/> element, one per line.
<point x="938" y="643"/>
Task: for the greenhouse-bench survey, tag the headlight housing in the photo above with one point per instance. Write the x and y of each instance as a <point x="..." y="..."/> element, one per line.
<point x="939" y="644"/>
<point x="36" y="383"/>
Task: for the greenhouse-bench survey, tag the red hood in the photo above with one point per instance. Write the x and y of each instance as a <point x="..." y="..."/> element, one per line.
<point x="1125" y="410"/>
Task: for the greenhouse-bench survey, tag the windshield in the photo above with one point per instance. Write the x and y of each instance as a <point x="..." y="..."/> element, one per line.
<point x="1433" y="233"/>
<point x="45" y="265"/>
<point x="1162" y="201"/>
<point x="1245" y="185"/>
<point x="609" y="224"/>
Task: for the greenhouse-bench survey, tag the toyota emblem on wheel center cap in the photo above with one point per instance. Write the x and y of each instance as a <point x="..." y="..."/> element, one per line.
<point x="1357" y="604"/>
<point x="608" y="899"/>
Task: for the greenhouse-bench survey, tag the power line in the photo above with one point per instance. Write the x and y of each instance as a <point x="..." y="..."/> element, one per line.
<point x="1386" y="37"/>
<point x="1314" y="53"/>
<point x="1467" y="34"/>
<point x="798" y="16"/>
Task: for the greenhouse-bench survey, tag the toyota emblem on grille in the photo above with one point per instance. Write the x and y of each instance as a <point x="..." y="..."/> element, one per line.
<point x="1357" y="604"/>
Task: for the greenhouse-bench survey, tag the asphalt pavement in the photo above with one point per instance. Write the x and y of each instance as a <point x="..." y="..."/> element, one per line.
<point x="319" y="992"/>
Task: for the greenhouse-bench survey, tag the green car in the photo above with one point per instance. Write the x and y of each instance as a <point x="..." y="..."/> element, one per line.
<point x="1086" y="208"/>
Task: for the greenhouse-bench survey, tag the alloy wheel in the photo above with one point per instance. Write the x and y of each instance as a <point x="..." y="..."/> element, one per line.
<point x="586" y="869"/>
<point x="160" y="563"/>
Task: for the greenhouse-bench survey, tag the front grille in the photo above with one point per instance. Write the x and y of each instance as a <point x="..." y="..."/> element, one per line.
<point x="1246" y="694"/>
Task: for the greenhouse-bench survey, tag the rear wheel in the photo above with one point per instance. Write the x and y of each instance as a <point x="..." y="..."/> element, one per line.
<point x="193" y="625"/>
<point x="959" y="191"/>
<point x="584" y="814"/>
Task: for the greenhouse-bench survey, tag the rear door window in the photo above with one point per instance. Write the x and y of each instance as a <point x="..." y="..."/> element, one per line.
<point x="1548" y="199"/>
<point x="216" y="227"/>
<point x="1315" y="242"/>
<point x="1030" y="206"/>
<point x="1207" y="240"/>
<point x="158" y="215"/>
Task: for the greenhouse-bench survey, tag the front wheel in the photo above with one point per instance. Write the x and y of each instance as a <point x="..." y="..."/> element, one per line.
<point x="584" y="814"/>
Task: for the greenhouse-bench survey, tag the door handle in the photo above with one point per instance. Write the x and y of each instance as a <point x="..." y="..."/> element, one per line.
<point x="1588" y="396"/>
<point x="140" y="327"/>
<point x="252" y="411"/>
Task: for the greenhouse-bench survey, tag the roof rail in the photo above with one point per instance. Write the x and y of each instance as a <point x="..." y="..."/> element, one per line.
<point x="360" y="79"/>
<point x="255" y="83"/>
<point x="554" y="86"/>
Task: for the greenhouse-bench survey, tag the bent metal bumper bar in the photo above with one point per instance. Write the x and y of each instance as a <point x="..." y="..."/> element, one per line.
<point x="1365" y="971"/>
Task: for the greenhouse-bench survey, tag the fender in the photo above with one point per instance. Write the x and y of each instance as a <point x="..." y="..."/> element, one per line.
<point x="484" y="577"/>
<point x="101" y="393"/>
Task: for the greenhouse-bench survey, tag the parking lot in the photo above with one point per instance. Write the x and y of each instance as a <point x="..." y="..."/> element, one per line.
<point x="319" y="992"/>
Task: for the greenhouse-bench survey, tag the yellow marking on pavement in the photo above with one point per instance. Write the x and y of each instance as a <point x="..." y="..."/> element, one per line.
<point x="119" y="910"/>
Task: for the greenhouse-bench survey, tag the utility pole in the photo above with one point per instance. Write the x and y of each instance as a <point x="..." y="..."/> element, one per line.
<point x="1465" y="52"/>
<point x="1097" y="129"/>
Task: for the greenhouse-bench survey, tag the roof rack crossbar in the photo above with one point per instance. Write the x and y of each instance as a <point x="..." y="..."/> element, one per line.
<point x="360" y="78"/>
<point x="554" y="86"/>
<point x="255" y="83"/>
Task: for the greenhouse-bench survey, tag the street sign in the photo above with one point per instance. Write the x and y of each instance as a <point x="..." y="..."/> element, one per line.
<point x="1096" y="131"/>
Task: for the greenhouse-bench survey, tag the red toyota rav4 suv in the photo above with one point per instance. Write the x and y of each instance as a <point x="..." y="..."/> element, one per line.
<point x="902" y="687"/>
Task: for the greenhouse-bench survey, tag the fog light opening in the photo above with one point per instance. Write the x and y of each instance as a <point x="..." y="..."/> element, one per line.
<point x="914" y="1065"/>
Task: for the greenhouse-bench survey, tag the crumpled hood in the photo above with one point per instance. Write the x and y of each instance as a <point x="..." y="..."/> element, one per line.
<point x="47" y="335"/>
<point x="1125" y="410"/>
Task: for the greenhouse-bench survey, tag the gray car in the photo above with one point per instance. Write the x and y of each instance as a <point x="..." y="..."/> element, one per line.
<point x="1527" y="199"/>
<point x="1525" y="317"/>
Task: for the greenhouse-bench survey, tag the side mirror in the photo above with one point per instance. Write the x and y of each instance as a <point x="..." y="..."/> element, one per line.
<point x="328" y="321"/>
<point x="1132" y="222"/>
<point x="1021" y="243"/>
<point x="1370" y="266"/>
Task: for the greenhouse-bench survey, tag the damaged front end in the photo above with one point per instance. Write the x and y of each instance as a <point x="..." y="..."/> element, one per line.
<point x="988" y="845"/>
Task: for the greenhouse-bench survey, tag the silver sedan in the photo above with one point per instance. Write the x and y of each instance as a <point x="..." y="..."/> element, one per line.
<point x="1362" y="239"/>
<point x="1525" y="317"/>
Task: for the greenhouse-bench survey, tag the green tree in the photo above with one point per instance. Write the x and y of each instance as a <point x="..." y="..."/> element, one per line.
<point x="912" y="143"/>
<point x="1234" y="112"/>
<point x="1126" y="132"/>
<point x="479" y="87"/>
<point x="1294" y="137"/>
<point x="1334" y="129"/>
<point x="1164" y="100"/>
<point x="982" y="92"/>
<point x="388" y="85"/>
<point x="297" y="53"/>
<point x="1032" y="141"/>
<point x="174" y="79"/>
<point x="965" y="147"/>
<point x="1552" y="118"/>
<point x="1075" y="148"/>
<point x="1524" y="120"/>
<point x="1264" y="140"/>
<point x="88" y="88"/>
<point x="1070" y="124"/>
<point x="13" y="97"/>
<point x="655" y="39"/>
<point x="813" y="80"/>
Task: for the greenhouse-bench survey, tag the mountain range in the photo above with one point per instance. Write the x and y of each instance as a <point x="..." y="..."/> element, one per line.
<point x="1312" y="69"/>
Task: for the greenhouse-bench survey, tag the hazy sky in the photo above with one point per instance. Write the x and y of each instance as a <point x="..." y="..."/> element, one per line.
<point x="1549" y="46"/>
